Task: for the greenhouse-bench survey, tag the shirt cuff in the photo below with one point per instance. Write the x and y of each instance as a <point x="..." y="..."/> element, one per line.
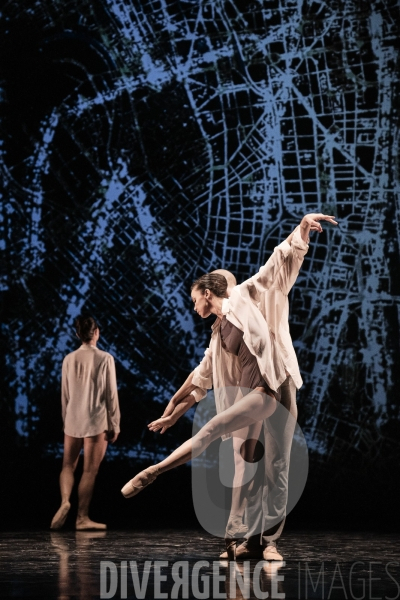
<point x="298" y="241"/>
<point x="200" y="381"/>
<point x="198" y="394"/>
<point x="113" y="423"/>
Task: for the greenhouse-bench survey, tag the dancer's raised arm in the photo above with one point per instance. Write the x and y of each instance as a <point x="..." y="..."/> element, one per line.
<point x="282" y="267"/>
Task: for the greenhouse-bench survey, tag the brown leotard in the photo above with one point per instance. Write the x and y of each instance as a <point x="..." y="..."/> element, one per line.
<point x="232" y="341"/>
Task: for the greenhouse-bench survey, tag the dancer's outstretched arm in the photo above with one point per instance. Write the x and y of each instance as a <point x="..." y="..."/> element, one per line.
<point x="171" y="418"/>
<point x="188" y="393"/>
<point x="187" y="388"/>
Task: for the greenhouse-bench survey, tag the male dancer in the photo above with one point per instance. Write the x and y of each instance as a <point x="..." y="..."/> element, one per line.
<point x="269" y="289"/>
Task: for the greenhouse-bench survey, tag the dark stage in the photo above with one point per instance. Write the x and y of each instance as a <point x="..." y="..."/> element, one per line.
<point x="317" y="564"/>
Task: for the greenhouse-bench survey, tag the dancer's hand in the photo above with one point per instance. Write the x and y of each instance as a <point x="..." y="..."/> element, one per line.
<point x="163" y="423"/>
<point x="169" y="417"/>
<point x="111" y="436"/>
<point x="311" y="222"/>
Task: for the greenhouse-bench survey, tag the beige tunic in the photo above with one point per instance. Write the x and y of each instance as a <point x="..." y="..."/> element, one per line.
<point x="89" y="396"/>
<point x="260" y="308"/>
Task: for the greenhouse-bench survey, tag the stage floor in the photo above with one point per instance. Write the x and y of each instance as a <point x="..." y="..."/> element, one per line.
<point x="185" y="564"/>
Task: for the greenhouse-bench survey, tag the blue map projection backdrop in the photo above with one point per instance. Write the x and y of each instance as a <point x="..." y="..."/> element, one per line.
<point x="146" y="142"/>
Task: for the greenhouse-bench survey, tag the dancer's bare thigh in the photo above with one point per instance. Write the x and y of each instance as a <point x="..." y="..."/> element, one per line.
<point x="94" y="450"/>
<point x="72" y="448"/>
<point x="245" y="439"/>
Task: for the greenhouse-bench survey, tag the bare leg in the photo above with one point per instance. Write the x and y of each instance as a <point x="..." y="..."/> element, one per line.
<point x="251" y="409"/>
<point x="94" y="450"/>
<point x="72" y="448"/>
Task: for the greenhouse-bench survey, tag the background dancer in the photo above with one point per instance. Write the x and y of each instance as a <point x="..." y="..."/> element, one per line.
<point x="91" y="417"/>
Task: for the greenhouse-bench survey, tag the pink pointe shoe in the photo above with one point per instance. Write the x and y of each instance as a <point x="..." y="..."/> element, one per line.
<point x="130" y="489"/>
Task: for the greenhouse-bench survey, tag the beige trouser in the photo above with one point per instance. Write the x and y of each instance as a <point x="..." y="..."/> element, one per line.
<point x="266" y="504"/>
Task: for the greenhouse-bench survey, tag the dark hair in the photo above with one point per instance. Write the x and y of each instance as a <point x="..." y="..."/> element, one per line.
<point x="85" y="328"/>
<point x="216" y="283"/>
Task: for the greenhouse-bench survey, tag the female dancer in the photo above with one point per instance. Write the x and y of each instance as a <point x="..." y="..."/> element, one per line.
<point x="251" y="354"/>
<point x="91" y="416"/>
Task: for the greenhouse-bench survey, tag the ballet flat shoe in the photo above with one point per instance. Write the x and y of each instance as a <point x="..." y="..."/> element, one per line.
<point x="235" y="529"/>
<point x="271" y="553"/>
<point x="245" y="553"/>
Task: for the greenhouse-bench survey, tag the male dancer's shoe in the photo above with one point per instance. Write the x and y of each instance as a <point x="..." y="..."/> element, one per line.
<point x="235" y="529"/>
<point x="243" y="552"/>
<point x="130" y="489"/>
<point x="270" y="552"/>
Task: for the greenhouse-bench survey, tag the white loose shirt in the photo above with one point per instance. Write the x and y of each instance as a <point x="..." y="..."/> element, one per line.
<point x="260" y="308"/>
<point x="89" y="396"/>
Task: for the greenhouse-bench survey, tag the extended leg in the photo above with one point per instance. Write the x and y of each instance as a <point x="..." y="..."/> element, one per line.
<point x="94" y="450"/>
<point x="72" y="448"/>
<point x="251" y="409"/>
